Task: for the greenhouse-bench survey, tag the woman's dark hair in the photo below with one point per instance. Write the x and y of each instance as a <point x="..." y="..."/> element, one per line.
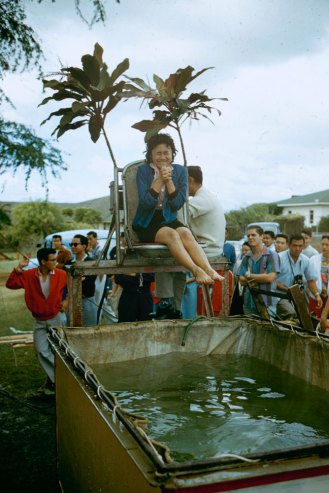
<point x="156" y="140"/>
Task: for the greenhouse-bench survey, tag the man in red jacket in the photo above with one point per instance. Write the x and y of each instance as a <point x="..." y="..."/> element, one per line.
<point x="45" y="297"/>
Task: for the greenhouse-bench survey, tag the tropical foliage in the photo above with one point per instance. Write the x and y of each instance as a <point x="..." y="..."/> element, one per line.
<point x="170" y="107"/>
<point x="94" y="93"/>
<point x="87" y="215"/>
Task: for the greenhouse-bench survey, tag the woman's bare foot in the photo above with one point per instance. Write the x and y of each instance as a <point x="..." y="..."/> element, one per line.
<point x="202" y="277"/>
<point x="214" y="275"/>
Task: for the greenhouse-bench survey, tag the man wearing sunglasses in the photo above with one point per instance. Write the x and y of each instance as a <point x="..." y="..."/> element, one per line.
<point x="45" y="297"/>
<point x="79" y="247"/>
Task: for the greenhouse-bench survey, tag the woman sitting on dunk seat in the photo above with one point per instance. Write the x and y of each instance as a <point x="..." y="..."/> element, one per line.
<point x="162" y="191"/>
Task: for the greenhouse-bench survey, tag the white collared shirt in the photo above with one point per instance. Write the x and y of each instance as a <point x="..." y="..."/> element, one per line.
<point x="45" y="284"/>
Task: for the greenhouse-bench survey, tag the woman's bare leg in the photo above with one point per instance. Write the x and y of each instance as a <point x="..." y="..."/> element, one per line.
<point x="171" y="238"/>
<point x="197" y="254"/>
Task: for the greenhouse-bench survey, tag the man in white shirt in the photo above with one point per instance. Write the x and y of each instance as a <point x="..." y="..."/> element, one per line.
<point x="207" y="221"/>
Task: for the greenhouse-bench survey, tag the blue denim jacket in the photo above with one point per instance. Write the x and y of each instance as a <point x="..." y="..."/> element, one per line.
<point x="148" y="202"/>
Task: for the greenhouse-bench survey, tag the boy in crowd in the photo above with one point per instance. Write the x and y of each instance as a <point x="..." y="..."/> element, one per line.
<point x="308" y="250"/>
<point x="281" y="242"/>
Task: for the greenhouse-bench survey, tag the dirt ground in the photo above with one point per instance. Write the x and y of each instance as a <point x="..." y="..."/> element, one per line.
<point x="27" y="419"/>
<point x="28" y="425"/>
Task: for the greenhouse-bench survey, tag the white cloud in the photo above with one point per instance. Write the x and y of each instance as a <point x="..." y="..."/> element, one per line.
<point x="270" y="60"/>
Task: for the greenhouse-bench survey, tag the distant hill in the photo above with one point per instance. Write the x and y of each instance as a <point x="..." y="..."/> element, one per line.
<point x="102" y="204"/>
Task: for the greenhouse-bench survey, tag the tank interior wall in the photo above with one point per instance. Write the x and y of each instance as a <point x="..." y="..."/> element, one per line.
<point x="93" y="454"/>
<point x="301" y="355"/>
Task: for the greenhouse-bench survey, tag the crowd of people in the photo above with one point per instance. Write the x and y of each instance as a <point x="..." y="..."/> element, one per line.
<point x="274" y="263"/>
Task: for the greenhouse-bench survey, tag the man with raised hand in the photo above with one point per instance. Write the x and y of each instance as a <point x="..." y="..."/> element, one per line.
<point x="45" y="297"/>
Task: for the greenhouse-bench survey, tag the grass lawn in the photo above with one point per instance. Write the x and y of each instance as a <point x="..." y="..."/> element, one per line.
<point x="13" y="311"/>
<point x="28" y="425"/>
<point x="28" y="422"/>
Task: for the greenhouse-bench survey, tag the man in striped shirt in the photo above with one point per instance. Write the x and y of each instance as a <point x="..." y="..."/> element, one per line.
<point x="260" y="265"/>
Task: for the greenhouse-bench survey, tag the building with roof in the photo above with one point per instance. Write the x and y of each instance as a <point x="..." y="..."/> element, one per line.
<point x="312" y="206"/>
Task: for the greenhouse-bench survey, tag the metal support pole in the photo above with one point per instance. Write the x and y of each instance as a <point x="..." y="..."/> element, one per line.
<point x="74" y="287"/>
<point x="117" y="215"/>
<point x="207" y="301"/>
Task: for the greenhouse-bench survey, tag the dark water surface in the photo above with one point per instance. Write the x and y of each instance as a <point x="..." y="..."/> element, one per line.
<point x="205" y="406"/>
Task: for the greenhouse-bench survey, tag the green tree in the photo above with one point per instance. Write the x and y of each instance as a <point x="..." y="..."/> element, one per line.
<point x="68" y="212"/>
<point x="5" y="221"/>
<point x="20" y="147"/>
<point x="32" y="221"/>
<point x="237" y="220"/>
<point x="291" y="224"/>
<point x="87" y="215"/>
<point x="324" y="224"/>
<point x="4" y="217"/>
<point x="76" y="225"/>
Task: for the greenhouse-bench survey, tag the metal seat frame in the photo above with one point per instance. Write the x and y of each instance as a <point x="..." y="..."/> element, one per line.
<point x="133" y="256"/>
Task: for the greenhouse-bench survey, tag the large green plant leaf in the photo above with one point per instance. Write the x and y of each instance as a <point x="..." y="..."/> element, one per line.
<point x="95" y="127"/>
<point x="104" y="79"/>
<point x="60" y="112"/>
<point x="115" y="98"/>
<point x="119" y="70"/>
<point x="79" y="76"/>
<point x="91" y="68"/>
<point x="71" y="115"/>
<point x="98" y="54"/>
<point x="150" y="127"/>
<point x="69" y="126"/>
<point x="94" y="92"/>
<point x="139" y="82"/>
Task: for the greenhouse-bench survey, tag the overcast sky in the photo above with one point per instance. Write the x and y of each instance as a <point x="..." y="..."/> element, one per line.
<point x="270" y="59"/>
